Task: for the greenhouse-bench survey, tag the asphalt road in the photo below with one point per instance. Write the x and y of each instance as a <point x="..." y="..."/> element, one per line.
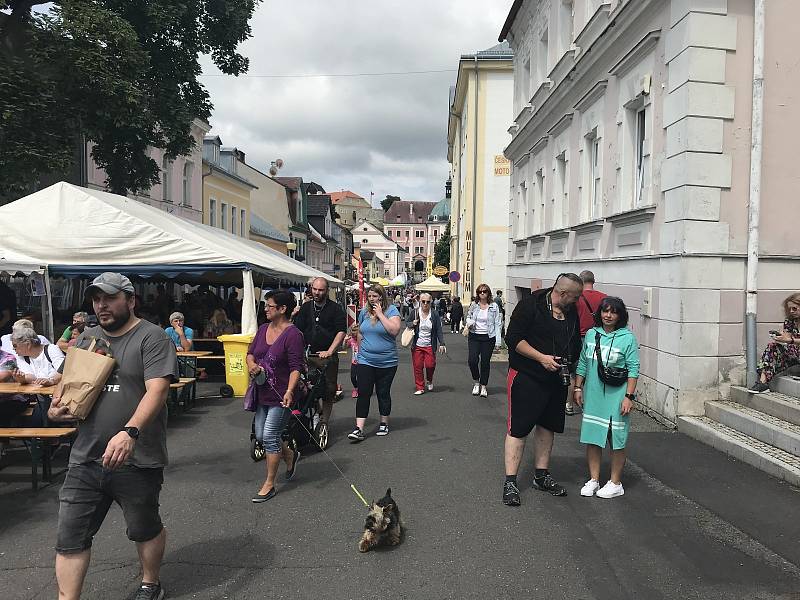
<point x="693" y="524"/>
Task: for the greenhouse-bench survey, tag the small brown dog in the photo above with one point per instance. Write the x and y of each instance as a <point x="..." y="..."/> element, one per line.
<point x="383" y="525"/>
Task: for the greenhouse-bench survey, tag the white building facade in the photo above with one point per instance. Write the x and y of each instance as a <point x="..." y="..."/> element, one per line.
<point x="372" y="239"/>
<point x="631" y="156"/>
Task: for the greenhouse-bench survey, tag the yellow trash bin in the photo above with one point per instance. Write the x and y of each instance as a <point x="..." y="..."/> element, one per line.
<point x="236" y="374"/>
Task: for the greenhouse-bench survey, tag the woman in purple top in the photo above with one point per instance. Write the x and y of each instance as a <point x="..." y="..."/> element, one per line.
<point x="277" y="351"/>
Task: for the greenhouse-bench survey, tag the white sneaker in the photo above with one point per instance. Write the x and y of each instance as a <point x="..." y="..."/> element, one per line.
<point x="590" y="487"/>
<point x="610" y="490"/>
<point x="476" y="389"/>
<point x="419" y="392"/>
<point x="484" y="392"/>
<point x="430" y="386"/>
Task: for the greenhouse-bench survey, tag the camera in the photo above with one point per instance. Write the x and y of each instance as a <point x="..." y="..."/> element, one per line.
<point x="563" y="372"/>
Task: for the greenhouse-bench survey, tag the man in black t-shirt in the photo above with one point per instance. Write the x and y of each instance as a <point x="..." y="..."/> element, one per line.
<point x="324" y="324"/>
<point x="543" y="341"/>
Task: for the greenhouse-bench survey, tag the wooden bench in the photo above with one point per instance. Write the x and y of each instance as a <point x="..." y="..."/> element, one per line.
<point x="35" y="435"/>
<point x="183" y="393"/>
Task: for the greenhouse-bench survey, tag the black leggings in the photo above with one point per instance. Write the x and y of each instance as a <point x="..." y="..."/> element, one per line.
<point x="480" y="346"/>
<point x="381" y="380"/>
<point x="354" y="375"/>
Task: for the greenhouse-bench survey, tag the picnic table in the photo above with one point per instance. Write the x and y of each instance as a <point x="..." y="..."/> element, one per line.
<point x="35" y="439"/>
<point x="187" y="361"/>
<point x="26" y="388"/>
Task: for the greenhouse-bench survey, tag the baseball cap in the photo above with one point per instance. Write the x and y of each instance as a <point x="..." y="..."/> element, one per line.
<point x="110" y="283"/>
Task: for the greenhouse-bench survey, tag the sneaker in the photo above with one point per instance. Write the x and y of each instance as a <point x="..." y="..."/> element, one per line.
<point x="354" y="394"/>
<point x="419" y="392"/>
<point x="476" y="389"/>
<point x="290" y="473"/>
<point x="484" y="392"/>
<point x="430" y="386"/>
<point x="511" y="494"/>
<point x="150" y="591"/>
<point x="383" y="429"/>
<point x="548" y="484"/>
<point x="610" y="490"/>
<point x="759" y="388"/>
<point x="569" y="409"/>
<point x="590" y="487"/>
<point x="356" y="435"/>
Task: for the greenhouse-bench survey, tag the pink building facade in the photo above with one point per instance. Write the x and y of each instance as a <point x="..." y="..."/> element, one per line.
<point x="180" y="191"/>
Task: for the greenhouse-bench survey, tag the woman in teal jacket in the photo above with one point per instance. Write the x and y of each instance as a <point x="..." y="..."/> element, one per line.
<point x="606" y="408"/>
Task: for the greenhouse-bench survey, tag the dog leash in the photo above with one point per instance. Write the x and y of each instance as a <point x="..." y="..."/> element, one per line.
<point x="333" y="462"/>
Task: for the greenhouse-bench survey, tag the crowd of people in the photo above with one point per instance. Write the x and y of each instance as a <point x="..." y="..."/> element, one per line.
<point x="568" y="345"/>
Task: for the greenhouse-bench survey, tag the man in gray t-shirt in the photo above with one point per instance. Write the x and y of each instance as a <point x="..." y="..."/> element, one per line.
<point x="121" y="448"/>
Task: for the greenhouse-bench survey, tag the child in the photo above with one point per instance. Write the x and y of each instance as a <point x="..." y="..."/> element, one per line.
<point x="351" y="339"/>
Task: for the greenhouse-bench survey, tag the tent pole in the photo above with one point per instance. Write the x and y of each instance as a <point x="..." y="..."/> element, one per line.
<point x="47" y="306"/>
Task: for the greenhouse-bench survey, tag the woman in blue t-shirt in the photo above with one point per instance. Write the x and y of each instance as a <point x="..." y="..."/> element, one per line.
<point x="379" y="324"/>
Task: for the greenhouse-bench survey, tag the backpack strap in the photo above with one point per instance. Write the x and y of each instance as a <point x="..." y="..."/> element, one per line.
<point x="589" y="306"/>
<point x="47" y="354"/>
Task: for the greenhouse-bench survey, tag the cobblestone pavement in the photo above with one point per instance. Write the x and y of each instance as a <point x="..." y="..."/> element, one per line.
<point x="693" y="523"/>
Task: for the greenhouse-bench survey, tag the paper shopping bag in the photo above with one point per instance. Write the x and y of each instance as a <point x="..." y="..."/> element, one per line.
<point x="85" y="375"/>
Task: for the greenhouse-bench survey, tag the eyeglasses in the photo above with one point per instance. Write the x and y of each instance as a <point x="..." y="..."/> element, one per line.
<point x="268" y="306"/>
<point x="425" y="301"/>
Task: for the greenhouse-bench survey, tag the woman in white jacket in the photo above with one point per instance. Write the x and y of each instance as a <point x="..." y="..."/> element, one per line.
<point x="485" y="324"/>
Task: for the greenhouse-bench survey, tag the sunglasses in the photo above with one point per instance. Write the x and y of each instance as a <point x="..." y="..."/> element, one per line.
<point x="425" y="301"/>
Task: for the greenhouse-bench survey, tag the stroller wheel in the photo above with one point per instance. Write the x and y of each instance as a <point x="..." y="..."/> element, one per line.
<point x="322" y="435"/>
<point x="257" y="451"/>
<point x="226" y="391"/>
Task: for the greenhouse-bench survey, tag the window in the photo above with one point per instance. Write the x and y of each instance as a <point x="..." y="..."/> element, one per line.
<point x="408" y="233"/>
<point x="242" y="222"/>
<point x="365" y="241"/>
<point x="561" y="191"/>
<point x="541" y="59"/>
<point x="522" y="211"/>
<point x="212" y="212"/>
<point x="365" y="228"/>
<point x="354" y="216"/>
<point x="566" y="16"/>
<point x="639" y="150"/>
<point x="166" y="180"/>
<point x="386" y="255"/>
<point x="390" y="233"/>
<point x="539" y="202"/>
<point x="223" y="213"/>
<point x="233" y="220"/>
<point x="435" y="233"/>
<point x="187" y="184"/>
<point x="595" y="169"/>
<point x="386" y="272"/>
<point x="419" y="234"/>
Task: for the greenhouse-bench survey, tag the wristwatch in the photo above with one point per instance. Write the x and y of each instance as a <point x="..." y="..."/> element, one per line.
<point x="630" y="396"/>
<point x="132" y="431"/>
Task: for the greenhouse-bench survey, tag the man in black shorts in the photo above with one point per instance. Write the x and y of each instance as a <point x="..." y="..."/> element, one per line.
<point x="543" y="339"/>
<point x="121" y="448"/>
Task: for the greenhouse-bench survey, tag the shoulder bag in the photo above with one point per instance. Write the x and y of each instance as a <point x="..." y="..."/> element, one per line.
<point x="613" y="376"/>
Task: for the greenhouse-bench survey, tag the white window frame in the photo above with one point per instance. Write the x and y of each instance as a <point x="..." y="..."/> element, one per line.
<point x="212" y="212"/>
<point x="242" y="222"/>
<point x="234" y="212"/>
<point x="640" y="166"/>
<point x="223" y="219"/>
<point x="186" y="196"/>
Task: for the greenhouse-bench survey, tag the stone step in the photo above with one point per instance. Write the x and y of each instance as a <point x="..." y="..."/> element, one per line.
<point x="771" y="460"/>
<point x="753" y="423"/>
<point x="787" y="384"/>
<point x="775" y="404"/>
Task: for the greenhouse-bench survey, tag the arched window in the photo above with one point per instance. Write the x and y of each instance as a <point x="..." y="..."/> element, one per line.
<point x="166" y="180"/>
<point x="187" y="183"/>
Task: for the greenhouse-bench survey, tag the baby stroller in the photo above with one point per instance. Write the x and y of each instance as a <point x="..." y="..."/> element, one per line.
<point x="305" y="418"/>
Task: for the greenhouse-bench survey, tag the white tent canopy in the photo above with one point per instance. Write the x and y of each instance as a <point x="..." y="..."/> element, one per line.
<point x="74" y="229"/>
<point x="13" y="262"/>
<point x="432" y="284"/>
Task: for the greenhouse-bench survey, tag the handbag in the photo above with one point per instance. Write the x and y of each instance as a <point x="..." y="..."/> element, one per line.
<point x="613" y="376"/>
<point x="465" y="331"/>
<point x="251" y="397"/>
<point x="406" y="336"/>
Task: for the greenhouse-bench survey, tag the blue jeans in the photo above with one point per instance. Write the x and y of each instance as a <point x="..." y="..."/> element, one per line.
<point x="270" y="423"/>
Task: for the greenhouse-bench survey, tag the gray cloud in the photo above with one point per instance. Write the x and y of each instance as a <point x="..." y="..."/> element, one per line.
<point x="383" y="134"/>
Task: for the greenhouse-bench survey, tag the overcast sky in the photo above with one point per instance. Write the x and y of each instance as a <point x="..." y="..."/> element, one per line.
<point x="385" y="134"/>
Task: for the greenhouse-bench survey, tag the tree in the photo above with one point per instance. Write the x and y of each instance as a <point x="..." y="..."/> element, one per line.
<point x="441" y="251"/>
<point x="120" y="74"/>
<point x="387" y="202"/>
